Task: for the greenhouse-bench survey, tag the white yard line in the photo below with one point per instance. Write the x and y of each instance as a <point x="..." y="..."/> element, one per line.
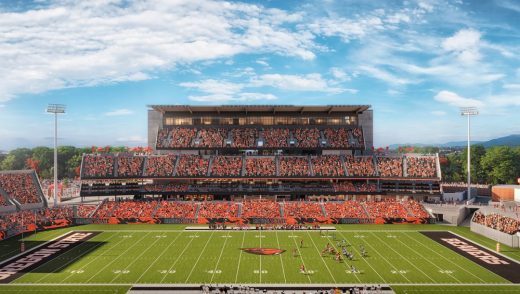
<point x="158" y="257"/>
<point x="135" y="259"/>
<point x="94" y="259"/>
<point x="345" y="262"/>
<point x="444" y="257"/>
<point x="177" y="259"/>
<point x="240" y="256"/>
<point x="281" y="261"/>
<point x="200" y="255"/>
<point x="364" y="259"/>
<point x="404" y="258"/>
<point x="121" y="254"/>
<point x="72" y="260"/>
<point x="391" y="264"/>
<point x="218" y="260"/>
<point x="319" y="254"/>
<point x="432" y="263"/>
<point x="301" y="257"/>
<point x="260" y="272"/>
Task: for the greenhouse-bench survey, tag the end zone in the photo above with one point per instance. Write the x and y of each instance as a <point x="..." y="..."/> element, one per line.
<point x="17" y="266"/>
<point x="492" y="261"/>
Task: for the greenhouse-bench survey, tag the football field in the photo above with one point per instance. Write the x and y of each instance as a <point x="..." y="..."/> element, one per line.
<point x="162" y="254"/>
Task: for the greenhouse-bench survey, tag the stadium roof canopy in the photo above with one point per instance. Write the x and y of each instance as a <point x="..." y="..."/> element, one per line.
<point x="260" y="108"/>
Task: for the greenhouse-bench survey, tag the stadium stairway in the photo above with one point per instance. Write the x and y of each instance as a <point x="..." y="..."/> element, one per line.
<point x="243" y="172"/>
<point x="311" y="168"/>
<point x="210" y="166"/>
<point x="345" y="169"/>
<point x="282" y="211"/>
<point x="365" y="209"/>
<point x="323" y="210"/>
<point x="405" y="167"/>
<point x="197" y="210"/>
<point x="239" y="212"/>
<point x="175" y="165"/>
<point x="276" y="160"/>
<point x="98" y="207"/>
<point x="155" y="209"/>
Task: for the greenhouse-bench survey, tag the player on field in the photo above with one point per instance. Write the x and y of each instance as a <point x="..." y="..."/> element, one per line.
<point x="301" y="243"/>
<point x="302" y="269"/>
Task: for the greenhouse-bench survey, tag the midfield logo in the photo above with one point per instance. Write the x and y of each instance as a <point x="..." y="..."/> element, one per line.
<point x="263" y="251"/>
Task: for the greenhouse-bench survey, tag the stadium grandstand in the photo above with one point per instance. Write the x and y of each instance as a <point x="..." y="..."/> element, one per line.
<point x="275" y="173"/>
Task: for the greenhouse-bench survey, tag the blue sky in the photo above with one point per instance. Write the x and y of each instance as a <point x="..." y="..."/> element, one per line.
<point x="416" y="62"/>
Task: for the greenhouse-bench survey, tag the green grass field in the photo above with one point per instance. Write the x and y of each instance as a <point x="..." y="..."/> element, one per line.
<point x="167" y="254"/>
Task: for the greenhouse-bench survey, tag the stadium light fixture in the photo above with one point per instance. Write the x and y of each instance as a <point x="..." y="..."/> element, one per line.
<point x="56" y="109"/>
<point x="468" y="112"/>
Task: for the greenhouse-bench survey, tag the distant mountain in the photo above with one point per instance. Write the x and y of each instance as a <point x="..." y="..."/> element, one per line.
<point x="511" y="140"/>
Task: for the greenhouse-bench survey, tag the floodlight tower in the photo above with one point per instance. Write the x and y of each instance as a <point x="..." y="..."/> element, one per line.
<point x="56" y="109"/>
<point x="468" y="112"/>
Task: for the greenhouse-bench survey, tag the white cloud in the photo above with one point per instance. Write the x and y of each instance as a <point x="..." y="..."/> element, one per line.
<point x="131" y="139"/>
<point x="383" y="75"/>
<point x="455" y="100"/>
<point x="262" y="62"/>
<point x="439" y="113"/>
<point x="309" y="82"/>
<point x="339" y="74"/>
<point x="85" y="43"/>
<point x="224" y="98"/>
<point x="119" y="112"/>
<point x="512" y="87"/>
<point x="465" y="44"/>
<point x="214" y="86"/>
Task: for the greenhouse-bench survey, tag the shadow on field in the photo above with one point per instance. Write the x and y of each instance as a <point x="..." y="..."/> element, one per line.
<point x="62" y="262"/>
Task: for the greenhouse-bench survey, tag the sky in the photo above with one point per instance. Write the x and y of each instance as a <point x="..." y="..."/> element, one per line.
<point x="415" y="62"/>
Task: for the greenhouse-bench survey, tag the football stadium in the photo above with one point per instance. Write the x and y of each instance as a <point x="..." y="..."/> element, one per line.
<point x="256" y="199"/>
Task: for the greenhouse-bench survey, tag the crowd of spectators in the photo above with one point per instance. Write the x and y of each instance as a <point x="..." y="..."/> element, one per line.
<point x="415" y="209"/>
<point x="105" y="210"/>
<point x="276" y="137"/>
<point x="291" y="166"/>
<point x="175" y="137"/>
<point x="302" y="209"/>
<point x="360" y="166"/>
<point x="20" y="186"/>
<point x="390" y="166"/>
<point x="160" y="166"/>
<point x="85" y="210"/>
<point x="218" y="209"/>
<point x="130" y="166"/>
<point x="3" y="201"/>
<point x="387" y="208"/>
<point x="244" y="137"/>
<point x="498" y="222"/>
<point x="307" y="137"/>
<point x="337" y="138"/>
<point x="176" y="209"/>
<point x="357" y="136"/>
<point x="211" y="138"/>
<point x="16" y="222"/>
<point x="345" y="209"/>
<point x="226" y="166"/>
<point x="192" y="165"/>
<point x="327" y="165"/>
<point x="129" y="209"/>
<point x="98" y="165"/>
<point x="260" y="166"/>
<point x="422" y="167"/>
<point x="260" y="209"/>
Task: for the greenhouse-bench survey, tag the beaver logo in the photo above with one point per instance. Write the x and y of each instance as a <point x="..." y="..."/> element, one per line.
<point x="263" y="251"/>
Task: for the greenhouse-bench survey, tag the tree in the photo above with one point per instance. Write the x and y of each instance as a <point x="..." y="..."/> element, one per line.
<point x="501" y="164"/>
<point x="478" y="175"/>
<point x="16" y="159"/>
